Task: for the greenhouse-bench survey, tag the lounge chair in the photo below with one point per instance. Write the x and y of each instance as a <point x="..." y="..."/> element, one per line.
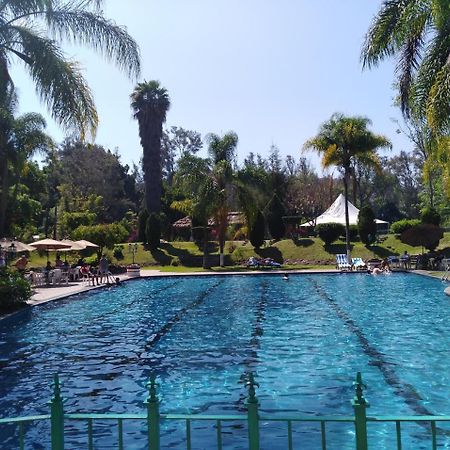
<point x="359" y="264"/>
<point x="342" y="262"/>
<point x="374" y="262"/>
<point x="253" y="262"/>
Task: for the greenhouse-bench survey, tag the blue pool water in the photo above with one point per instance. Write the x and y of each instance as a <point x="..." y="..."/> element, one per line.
<point x="305" y="339"/>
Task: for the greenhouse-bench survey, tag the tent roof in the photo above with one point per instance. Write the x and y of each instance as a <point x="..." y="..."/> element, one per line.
<point x="336" y="213"/>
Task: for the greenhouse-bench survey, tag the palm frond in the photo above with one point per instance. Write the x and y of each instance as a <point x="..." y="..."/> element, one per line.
<point x="59" y="83"/>
<point x="91" y="29"/>
<point x="438" y="105"/>
<point x="381" y="40"/>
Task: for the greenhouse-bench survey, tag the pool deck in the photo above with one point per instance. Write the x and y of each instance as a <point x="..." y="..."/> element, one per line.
<point x="47" y="294"/>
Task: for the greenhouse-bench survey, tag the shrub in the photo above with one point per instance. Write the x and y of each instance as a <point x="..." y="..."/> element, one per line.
<point x="14" y="290"/>
<point x="330" y="232"/>
<point x="353" y="231"/>
<point x="275" y="219"/>
<point x="402" y="225"/>
<point x="118" y="252"/>
<point x="424" y="235"/>
<point x="142" y="223"/>
<point x="366" y="225"/>
<point x="153" y="231"/>
<point x="431" y="216"/>
<point x="257" y="230"/>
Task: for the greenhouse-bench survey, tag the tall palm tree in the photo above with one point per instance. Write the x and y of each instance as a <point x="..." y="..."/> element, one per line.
<point x="150" y="103"/>
<point x="417" y="32"/>
<point x="340" y="141"/>
<point x="222" y="152"/>
<point x="31" y="31"/>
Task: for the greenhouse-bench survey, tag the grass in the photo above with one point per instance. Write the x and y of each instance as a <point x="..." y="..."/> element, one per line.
<point x="308" y="253"/>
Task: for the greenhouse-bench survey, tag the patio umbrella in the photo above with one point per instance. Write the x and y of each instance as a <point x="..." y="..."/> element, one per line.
<point x="74" y="246"/>
<point x="19" y="247"/>
<point x="86" y="244"/>
<point x="49" y="244"/>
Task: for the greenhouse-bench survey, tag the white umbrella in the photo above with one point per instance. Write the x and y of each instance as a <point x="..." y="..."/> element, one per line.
<point x="49" y="244"/>
<point x="74" y="246"/>
<point x="86" y="244"/>
<point x="17" y="246"/>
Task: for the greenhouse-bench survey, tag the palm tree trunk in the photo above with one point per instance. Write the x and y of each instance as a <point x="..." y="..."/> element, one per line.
<point x="347" y="221"/>
<point x="205" y="247"/>
<point x="151" y="145"/>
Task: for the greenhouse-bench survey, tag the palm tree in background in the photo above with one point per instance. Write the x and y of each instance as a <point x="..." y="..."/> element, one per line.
<point x="342" y="141"/>
<point x="222" y="151"/>
<point x="20" y="138"/>
<point x="150" y="103"/>
<point x="31" y="32"/>
<point x="417" y="33"/>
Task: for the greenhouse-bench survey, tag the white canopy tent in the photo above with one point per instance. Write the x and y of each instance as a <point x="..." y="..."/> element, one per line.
<point x="336" y="214"/>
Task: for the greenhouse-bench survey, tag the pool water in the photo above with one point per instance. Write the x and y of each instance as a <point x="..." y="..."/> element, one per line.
<point x="304" y="339"/>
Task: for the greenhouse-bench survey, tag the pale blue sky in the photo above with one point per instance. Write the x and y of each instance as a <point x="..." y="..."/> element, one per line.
<point x="272" y="71"/>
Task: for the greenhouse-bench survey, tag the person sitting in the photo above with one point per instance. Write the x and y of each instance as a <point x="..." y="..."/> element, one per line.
<point x="385" y="267"/>
<point x="21" y="264"/>
<point x="58" y="262"/>
<point x="48" y="268"/>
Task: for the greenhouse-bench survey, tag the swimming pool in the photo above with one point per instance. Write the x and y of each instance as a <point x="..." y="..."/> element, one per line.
<point x="304" y="339"/>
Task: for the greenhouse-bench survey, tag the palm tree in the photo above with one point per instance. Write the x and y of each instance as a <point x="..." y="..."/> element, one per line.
<point x="150" y="103"/>
<point x="417" y="32"/>
<point x="340" y="141"/>
<point x="222" y="152"/>
<point x="20" y="138"/>
<point x="195" y="179"/>
<point x="31" y="30"/>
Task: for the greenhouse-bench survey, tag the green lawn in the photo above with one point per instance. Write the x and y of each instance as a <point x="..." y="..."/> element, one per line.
<point x="304" y="253"/>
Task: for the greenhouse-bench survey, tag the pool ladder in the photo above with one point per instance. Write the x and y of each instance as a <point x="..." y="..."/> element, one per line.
<point x="446" y="274"/>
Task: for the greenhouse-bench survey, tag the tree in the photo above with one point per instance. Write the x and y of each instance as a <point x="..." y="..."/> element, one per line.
<point x="416" y="32"/>
<point x="330" y="232"/>
<point x="31" y="31"/>
<point x="340" y="141"/>
<point x="367" y="228"/>
<point x="257" y="230"/>
<point x="430" y="216"/>
<point x="177" y="142"/>
<point x="153" y="231"/>
<point x="150" y="103"/>
<point x="425" y="235"/>
<point x="104" y="235"/>
<point x="222" y="153"/>
<point x="20" y="139"/>
<point x="275" y="213"/>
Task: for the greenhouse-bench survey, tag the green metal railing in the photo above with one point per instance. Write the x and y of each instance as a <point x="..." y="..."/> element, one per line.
<point x="153" y="418"/>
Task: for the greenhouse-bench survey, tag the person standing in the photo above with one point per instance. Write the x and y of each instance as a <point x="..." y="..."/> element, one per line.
<point x="103" y="268"/>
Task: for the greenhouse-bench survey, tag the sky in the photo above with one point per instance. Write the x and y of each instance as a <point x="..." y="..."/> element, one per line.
<point x="272" y="71"/>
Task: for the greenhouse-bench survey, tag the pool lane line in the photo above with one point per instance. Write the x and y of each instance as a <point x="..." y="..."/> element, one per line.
<point x="179" y="315"/>
<point x="401" y="388"/>
<point x="252" y="361"/>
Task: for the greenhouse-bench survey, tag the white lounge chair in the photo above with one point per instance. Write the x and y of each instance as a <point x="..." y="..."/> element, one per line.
<point x="359" y="264"/>
<point x="342" y="262"/>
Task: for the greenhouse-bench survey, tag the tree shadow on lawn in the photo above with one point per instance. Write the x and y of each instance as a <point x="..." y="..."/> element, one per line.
<point x="382" y="252"/>
<point x="270" y="252"/>
<point x="337" y="248"/>
<point x="303" y="242"/>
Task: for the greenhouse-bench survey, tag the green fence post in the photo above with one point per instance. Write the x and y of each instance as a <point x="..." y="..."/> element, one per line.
<point x="359" y="405"/>
<point x="57" y="416"/>
<point x="153" y="417"/>
<point x="252" y="414"/>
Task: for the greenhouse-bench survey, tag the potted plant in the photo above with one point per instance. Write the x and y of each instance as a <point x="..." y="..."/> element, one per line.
<point x="133" y="270"/>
